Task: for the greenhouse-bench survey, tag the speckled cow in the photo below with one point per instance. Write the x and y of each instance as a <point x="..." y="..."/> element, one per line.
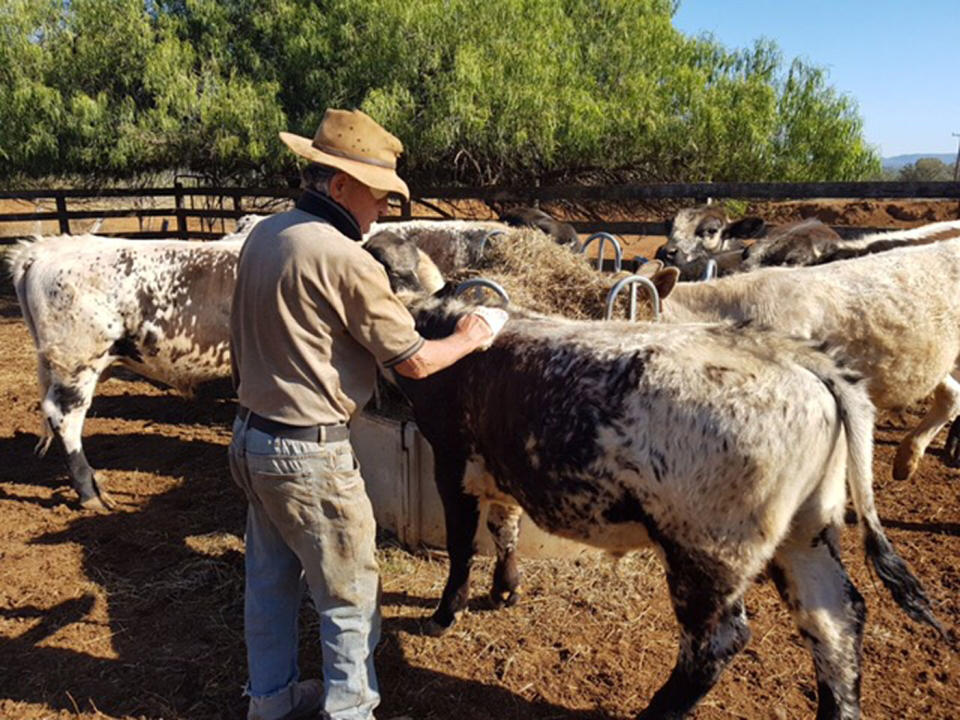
<point x="726" y="449"/>
<point x="895" y="313"/>
<point x="160" y="308"/>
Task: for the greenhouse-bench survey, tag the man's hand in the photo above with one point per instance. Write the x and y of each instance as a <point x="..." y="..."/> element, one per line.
<point x="482" y="325"/>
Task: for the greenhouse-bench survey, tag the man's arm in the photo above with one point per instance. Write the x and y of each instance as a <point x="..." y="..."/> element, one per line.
<point x="472" y="333"/>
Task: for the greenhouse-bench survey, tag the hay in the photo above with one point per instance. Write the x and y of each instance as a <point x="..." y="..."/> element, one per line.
<point x="542" y="276"/>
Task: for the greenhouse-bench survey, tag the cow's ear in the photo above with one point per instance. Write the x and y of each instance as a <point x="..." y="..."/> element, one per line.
<point x="446" y="290"/>
<point x="665" y="280"/>
<point x="748" y="227"/>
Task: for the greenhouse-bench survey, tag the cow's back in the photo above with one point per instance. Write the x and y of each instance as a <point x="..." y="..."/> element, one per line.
<point x="895" y="314"/>
<point x="161" y="307"/>
<point x="598" y="419"/>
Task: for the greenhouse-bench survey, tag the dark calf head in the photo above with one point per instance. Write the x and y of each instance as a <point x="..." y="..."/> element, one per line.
<point x="399" y="257"/>
<point x="563" y="233"/>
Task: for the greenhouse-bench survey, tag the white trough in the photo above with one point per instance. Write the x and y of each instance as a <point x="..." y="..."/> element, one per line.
<point x="397" y="466"/>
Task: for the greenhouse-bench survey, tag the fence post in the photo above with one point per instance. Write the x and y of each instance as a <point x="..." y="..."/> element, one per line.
<point x="405" y="211"/>
<point x="62" y="213"/>
<point x="178" y="204"/>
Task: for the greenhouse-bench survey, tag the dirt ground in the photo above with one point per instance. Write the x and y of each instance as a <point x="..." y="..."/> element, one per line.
<point x="138" y="613"/>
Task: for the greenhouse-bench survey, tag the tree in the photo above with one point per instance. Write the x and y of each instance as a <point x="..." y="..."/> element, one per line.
<point x="514" y="91"/>
<point x="926" y="169"/>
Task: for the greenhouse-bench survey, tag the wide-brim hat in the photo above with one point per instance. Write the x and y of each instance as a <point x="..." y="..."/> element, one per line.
<point x="352" y="141"/>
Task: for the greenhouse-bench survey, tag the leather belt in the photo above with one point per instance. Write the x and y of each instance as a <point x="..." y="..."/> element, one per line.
<point x="307" y="433"/>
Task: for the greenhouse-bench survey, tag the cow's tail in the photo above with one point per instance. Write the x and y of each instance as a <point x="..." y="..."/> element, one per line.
<point x="19" y="262"/>
<point x="857" y="416"/>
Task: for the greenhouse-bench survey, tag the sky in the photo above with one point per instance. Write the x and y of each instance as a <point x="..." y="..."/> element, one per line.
<point x="900" y="60"/>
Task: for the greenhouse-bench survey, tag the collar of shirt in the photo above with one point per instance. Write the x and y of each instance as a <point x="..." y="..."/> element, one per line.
<point x="334" y="213"/>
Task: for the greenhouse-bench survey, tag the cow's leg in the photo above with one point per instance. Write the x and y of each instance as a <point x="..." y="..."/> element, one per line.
<point x="946" y="406"/>
<point x="708" y="601"/>
<point x="951" y="448"/>
<point x="462" y="515"/>
<point x="65" y="408"/>
<point x="503" y="521"/>
<point x="46" y="433"/>
<point x="830" y="613"/>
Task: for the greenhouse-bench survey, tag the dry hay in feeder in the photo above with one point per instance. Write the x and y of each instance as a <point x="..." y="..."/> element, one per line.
<point x="545" y="277"/>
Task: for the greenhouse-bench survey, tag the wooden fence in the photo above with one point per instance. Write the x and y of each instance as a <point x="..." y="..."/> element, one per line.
<point x="237" y="201"/>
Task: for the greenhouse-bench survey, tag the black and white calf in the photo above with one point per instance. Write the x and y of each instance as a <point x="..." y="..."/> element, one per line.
<point x="621" y="436"/>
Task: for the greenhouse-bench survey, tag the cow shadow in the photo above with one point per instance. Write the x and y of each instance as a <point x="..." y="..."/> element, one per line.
<point x="479" y="602"/>
<point x="212" y="410"/>
<point x="126" y="452"/>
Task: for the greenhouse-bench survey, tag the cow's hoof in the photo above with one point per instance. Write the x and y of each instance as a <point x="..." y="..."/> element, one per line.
<point x="951" y="449"/>
<point x="434" y="629"/>
<point x="102" y="502"/>
<point x="904" y="464"/>
<point x="504" y="598"/>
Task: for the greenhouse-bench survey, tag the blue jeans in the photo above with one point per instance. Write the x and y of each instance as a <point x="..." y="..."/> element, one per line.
<point x="308" y="518"/>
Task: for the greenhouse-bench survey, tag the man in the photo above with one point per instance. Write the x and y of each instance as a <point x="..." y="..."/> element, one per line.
<point x="312" y="316"/>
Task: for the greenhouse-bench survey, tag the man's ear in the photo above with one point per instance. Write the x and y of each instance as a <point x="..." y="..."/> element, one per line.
<point x="337" y="186"/>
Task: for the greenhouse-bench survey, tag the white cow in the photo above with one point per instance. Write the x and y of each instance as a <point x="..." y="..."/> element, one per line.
<point x="896" y="314"/>
<point x="160" y="308"/>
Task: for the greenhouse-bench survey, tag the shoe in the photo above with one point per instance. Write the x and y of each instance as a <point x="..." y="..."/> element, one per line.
<point x="302" y="700"/>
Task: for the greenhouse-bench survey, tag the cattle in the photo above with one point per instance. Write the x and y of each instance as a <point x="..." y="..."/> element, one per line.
<point x="895" y="314"/>
<point x="622" y="436"/>
<point x="796" y="243"/>
<point x="562" y="233"/>
<point x="159" y="308"/>
<point x="409" y="269"/>
<point x="700" y="233"/>
<point x="451" y="244"/>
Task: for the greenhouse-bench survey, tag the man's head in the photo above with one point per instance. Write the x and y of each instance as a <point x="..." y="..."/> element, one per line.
<point x="354" y="161"/>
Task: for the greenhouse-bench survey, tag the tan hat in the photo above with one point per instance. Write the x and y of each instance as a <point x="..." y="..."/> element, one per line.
<point x="352" y="141"/>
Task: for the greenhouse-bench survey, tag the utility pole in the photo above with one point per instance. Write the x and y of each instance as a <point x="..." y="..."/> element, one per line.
<point x="956" y="165"/>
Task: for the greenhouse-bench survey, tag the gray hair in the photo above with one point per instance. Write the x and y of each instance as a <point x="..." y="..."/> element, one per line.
<point x="316" y="177"/>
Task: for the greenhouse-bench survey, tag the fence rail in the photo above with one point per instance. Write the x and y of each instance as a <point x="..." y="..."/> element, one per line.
<point x="697" y="192"/>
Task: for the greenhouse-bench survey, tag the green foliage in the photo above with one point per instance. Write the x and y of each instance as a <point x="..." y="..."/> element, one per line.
<point x="926" y="169"/>
<point x="513" y="91"/>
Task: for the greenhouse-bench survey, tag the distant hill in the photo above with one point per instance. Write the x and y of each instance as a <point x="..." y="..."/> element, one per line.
<point x="898" y="161"/>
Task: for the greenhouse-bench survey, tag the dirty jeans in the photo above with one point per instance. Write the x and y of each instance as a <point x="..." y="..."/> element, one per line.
<point x="308" y="518"/>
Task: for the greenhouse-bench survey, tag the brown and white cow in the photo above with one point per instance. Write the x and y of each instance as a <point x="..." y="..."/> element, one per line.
<point x="622" y="436"/>
<point x="700" y="234"/>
